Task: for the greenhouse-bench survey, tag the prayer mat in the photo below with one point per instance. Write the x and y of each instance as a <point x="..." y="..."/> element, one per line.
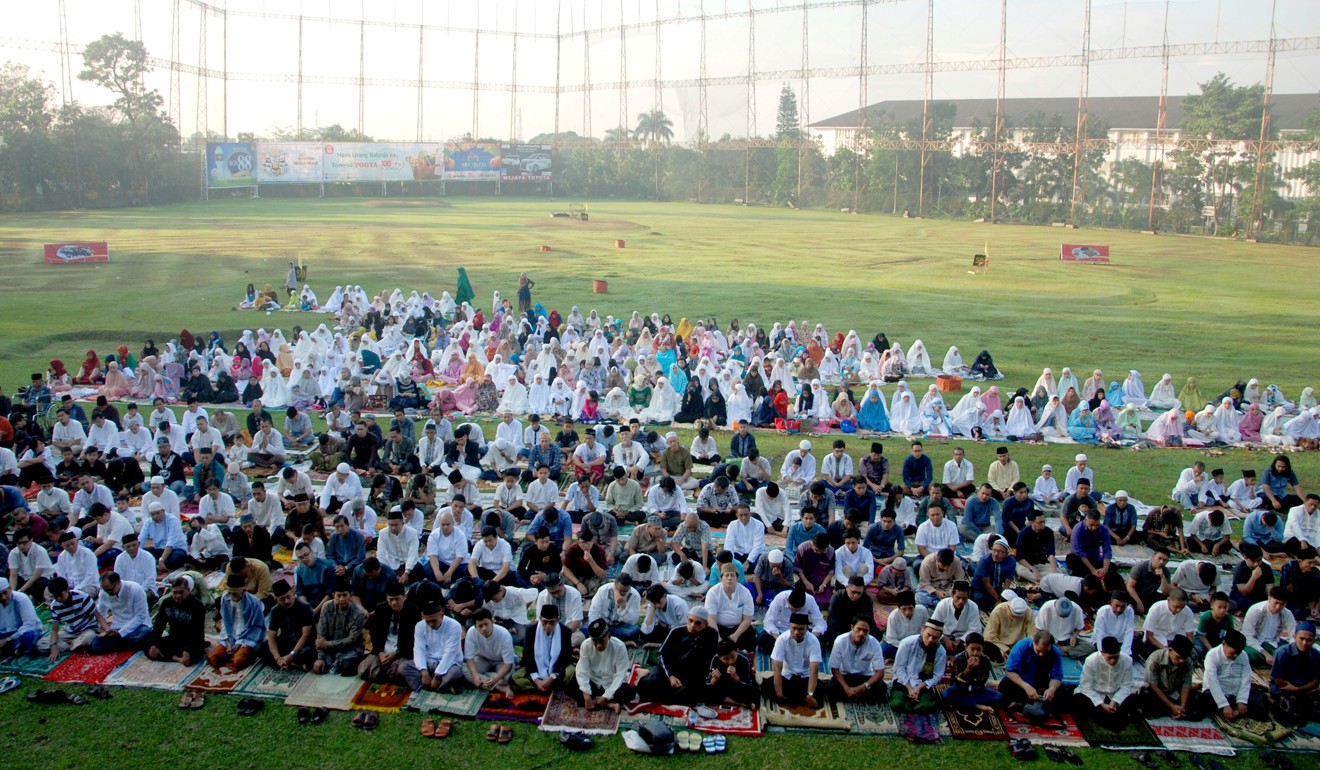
<point x="329" y="691"/>
<point x="207" y="679"/>
<point x="1061" y="731"/>
<point x="1072" y="671"/>
<point x="522" y="707"/>
<point x="1201" y="737"/>
<point x="827" y="717"/>
<point x="729" y="720"/>
<point x="1135" y="732"/>
<point x="85" y="668"/>
<point x="1250" y="733"/>
<point x="867" y="719"/>
<point x="764" y="668"/>
<point x="974" y="724"/>
<point x="141" y="671"/>
<point x="31" y="665"/>
<point x="385" y="698"/>
<point x="641" y="656"/>
<point x="267" y="682"/>
<point x="1305" y="738"/>
<point x="564" y="715"/>
<point x="919" y="728"/>
<point x="464" y="703"/>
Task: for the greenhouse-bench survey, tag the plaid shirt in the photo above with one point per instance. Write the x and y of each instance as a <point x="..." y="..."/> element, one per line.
<point x="549" y="456"/>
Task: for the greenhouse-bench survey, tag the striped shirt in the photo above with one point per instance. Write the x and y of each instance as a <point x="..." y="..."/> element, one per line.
<point x="76" y="615"/>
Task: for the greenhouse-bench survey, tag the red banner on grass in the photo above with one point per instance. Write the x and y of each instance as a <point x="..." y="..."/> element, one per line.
<point x="69" y="253"/>
<point x="1077" y="252"/>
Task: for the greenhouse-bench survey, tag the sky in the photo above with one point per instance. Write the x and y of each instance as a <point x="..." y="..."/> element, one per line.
<point x="259" y="43"/>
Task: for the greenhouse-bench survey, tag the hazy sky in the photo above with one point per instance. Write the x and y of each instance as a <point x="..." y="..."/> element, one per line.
<point x="261" y="45"/>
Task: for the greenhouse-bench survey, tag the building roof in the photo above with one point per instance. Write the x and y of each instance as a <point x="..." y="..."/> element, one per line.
<point x="1121" y="112"/>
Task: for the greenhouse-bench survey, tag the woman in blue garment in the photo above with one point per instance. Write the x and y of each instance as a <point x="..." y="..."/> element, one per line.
<point x="871" y="414"/>
<point x="1114" y="395"/>
<point x="678" y="378"/>
<point x="1081" y="425"/>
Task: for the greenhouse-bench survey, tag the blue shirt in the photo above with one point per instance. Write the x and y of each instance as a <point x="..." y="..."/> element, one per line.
<point x="1120" y="519"/>
<point x="1293" y="667"/>
<point x="998" y="573"/>
<point x="1034" y="669"/>
<point x="883" y="543"/>
<point x="347" y="550"/>
<point x="740" y="445"/>
<point x="550" y="457"/>
<point x="979" y="514"/>
<point x="1015" y="513"/>
<point x="1095" y="546"/>
<point x="168" y="533"/>
<point x="560" y="531"/>
<point x="797" y="535"/>
<point x="1277" y="484"/>
<point x="315" y="582"/>
<point x="864" y="502"/>
<point x="1254" y="530"/>
<point x="917" y="472"/>
<point x="12" y="498"/>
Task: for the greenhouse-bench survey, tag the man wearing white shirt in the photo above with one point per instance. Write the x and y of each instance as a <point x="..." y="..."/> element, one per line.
<point x="77" y="565"/>
<point x="431" y="449"/>
<point x="837" y="468"/>
<point x="1302" y="529"/>
<point x="773" y="507"/>
<point x="567" y="600"/>
<point x="852" y="559"/>
<point x="620" y="606"/>
<point x="1187" y="490"/>
<point x="1078" y="472"/>
<point x="745" y="537"/>
<point x="342" y="487"/>
<point x="795" y="666"/>
<point x="162" y="536"/>
<point x="29" y="564"/>
<point x="532" y="433"/>
<point x="731" y="607"/>
<point x="857" y="665"/>
<point x="503" y="451"/>
<point x="1167" y="619"/>
<point x="396" y="546"/>
<point x="267" y="447"/>
<point x="102" y="434"/>
<point x="89" y="492"/>
<point x="488" y="653"/>
<point x="589" y="457"/>
<point x="216" y="506"/>
<point x="52" y="500"/>
<point x="1106" y="688"/>
<point x="1116" y="619"/>
<point x="630" y="455"/>
<point x="68" y="432"/>
<point x="135" y="443"/>
<point x="1065" y="620"/>
<point x="937" y="532"/>
<point x="206" y="437"/>
<point x="1268" y="625"/>
<point x="492" y="558"/>
<point x="160" y="413"/>
<point x="266" y="510"/>
<point x="437" y="662"/>
<point x="784" y="606"/>
<point x="799" y="468"/>
<point x="959" y="479"/>
<point x="138" y="565"/>
<point x="541" y="492"/>
<point x="124" y="603"/>
<point x="1227" y="684"/>
<point x="664" y="613"/>
<point x="1244" y="494"/>
<point x="293" y="482"/>
<point x="190" y="416"/>
<point x="172" y="432"/>
<point x="959" y="615"/>
<point x="446" y="551"/>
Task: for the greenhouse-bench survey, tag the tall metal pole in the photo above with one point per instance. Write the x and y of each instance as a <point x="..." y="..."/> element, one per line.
<point x="586" y="75"/>
<point x="1161" y="121"/>
<point x="1258" y="189"/>
<point x="559" y="51"/>
<point x="174" y="106"/>
<point x="997" y="156"/>
<point x="421" y="69"/>
<point x="860" y="144"/>
<point x="1079" y="176"/>
<point x="362" y="69"/>
<point x="300" y="78"/>
<point x="751" y="104"/>
<point x="703" y="116"/>
<point x="202" y="119"/>
<point x="925" y="102"/>
<point x="476" y="73"/>
<point x="224" y="71"/>
<point x="805" y="88"/>
<point x="624" y="119"/>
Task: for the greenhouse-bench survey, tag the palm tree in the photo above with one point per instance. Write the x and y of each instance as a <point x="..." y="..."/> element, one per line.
<point x="654" y="126"/>
<point x="618" y="134"/>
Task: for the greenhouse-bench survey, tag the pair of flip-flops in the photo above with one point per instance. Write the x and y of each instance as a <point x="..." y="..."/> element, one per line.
<point x="54" y="697"/>
<point x="7" y="684"/>
<point x="500" y="734"/>
<point x="312" y="716"/>
<point x="441" y="729"/>
<point x="366" y="720"/>
<point x="100" y="692"/>
<point x="1061" y="754"/>
<point x="250" y="706"/>
<point x="192" y="700"/>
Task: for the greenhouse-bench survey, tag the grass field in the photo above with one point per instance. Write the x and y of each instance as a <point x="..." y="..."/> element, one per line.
<point x="1214" y="309"/>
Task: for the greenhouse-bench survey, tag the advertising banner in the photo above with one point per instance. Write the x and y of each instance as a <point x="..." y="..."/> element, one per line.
<point x="472" y="161"/>
<point x="1075" y="252"/>
<point x="77" y="251"/>
<point x="526" y="162"/>
<point x="230" y="164"/>
<point x="289" y="162"/>
<point x="380" y="162"/>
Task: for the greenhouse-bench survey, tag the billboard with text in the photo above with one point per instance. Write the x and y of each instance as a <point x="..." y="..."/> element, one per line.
<point x="288" y="162"/>
<point x="527" y="162"/>
<point x="472" y="160"/>
<point x="380" y="162"/>
<point x="230" y="164"/>
<point x="1076" y="252"/>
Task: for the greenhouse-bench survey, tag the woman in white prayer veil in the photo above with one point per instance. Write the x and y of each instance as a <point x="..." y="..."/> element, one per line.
<point x="1163" y="396"/>
<point x="560" y="398"/>
<point x="446" y="306"/>
<point x="903" y="415"/>
<point x="974" y="416"/>
<point x="1046" y="380"/>
<point x="965" y="404"/>
<point x="1134" y="390"/>
<point x="899" y="389"/>
<point x="1307" y="399"/>
<point x="821" y="408"/>
<point x="1252" y="393"/>
<point x="1020" y="424"/>
<point x="598" y="347"/>
<point x="336" y="301"/>
<point x="323" y="339"/>
<point x="1169" y="429"/>
<point x="1053" y="422"/>
<point x="1068" y="380"/>
<point x="953" y="363"/>
<point x="295" y="374"/>
<point x="1203" y="426"/>
<point x="725" y="383"/>
<point x="1304" y="427"/>
<point x="274" y="390"/>
<point x="738" y="407"/>
<point x="1227" y="418"/>
<point x="580" y="397"/>
<point x="392" y="339"/>
<point x="829" y="367"/>
<point x="932" y="395"/>
<point x="1094" y="384"/>
<point x="538" y="396"/>
<point x="935" y="421"/>
<point x="277" y="339"/>
<point x="852" y="344"/>
<point x="326" y="381"/>
<point x="499" y="372"/>
<point x="870" y="367"/>
<point x="615" y="405"/>
<point x="307" y="300"/>
<point x="664" y="402"/>
<point x="918" y="360"/>
<point x="1272" y="397"/>
<point x="1129" y="419"/>
<point x="397" y="364"/>
<point x="779" y="371"/>
<point x="304" y="391"/>
<point x="515" y="397"/>
<point x="1273" y="430"/>
<point x="304" y="347"/>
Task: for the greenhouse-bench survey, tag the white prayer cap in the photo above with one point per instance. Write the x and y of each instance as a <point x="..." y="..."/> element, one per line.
<point x="804" y="445"/>
<point x="670" y="434"/>
<point x="900" y="564"/>
<point x="157" y="480"/>
<point x="1046" y="467"/>
<point x="1081" y="458"/>
<point x="343" y="468"/>
<point x="156" y="506"/>
<point x="1121" y="493"/>
<point x="4" y="584"/>
<point x="1018" y="607"/>
<point x="776" y="556"/>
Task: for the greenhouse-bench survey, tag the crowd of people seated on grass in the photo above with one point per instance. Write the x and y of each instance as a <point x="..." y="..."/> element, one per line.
<point x="528" y="561"/>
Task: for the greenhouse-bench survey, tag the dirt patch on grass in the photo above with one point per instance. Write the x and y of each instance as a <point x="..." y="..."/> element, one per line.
<point x="606" y="225"/>
<point x="407" y="203"/>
